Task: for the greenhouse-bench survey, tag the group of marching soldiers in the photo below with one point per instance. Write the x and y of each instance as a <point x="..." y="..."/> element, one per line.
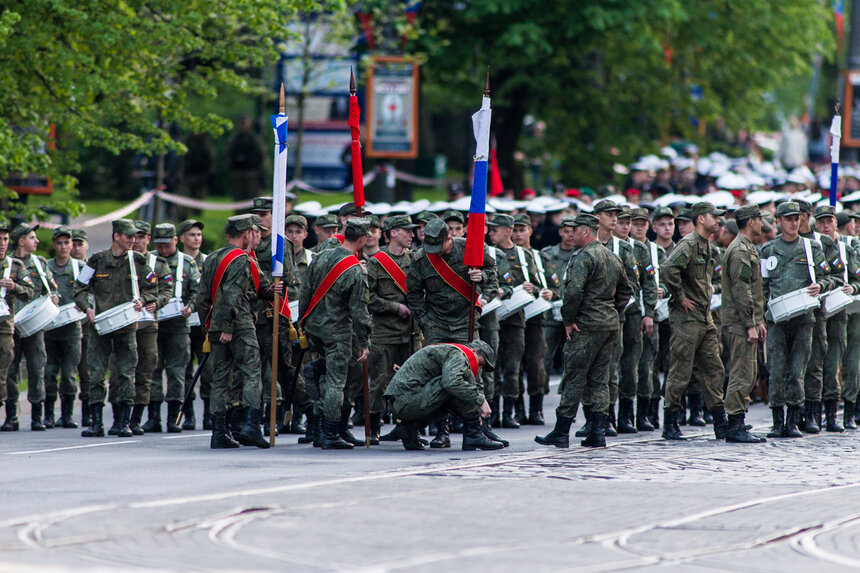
<point x="637" y="317"/>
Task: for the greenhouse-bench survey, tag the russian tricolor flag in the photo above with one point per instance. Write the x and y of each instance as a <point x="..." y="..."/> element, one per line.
<point x="279" y="194"/>
<point x="474" y="256"/>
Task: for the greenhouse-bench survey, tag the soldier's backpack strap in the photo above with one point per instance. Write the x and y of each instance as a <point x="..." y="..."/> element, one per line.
<point x="810" y="263"/>
<point x="336" y="271"/>
<point x="470" y="356"/>
<point x="219" y="274"/>
<point x="452" y="279"/>
<point x="392" y="268"/>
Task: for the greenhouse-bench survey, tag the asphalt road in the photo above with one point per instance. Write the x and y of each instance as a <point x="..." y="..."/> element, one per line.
<point x="168" y="503"/>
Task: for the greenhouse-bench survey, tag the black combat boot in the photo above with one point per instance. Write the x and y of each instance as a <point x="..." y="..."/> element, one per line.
<point x="409" y="436"/>
<point x="487" y="429"/>
<point x="442" y="439"/>
<point x="778" y="428"/>
<point x="495" y="419"/>
<point x="281" y="413"/>
<point x="189" y="420"/>
<point x="694" y="401"/>
<point x="375" y="422"/>
<point x="235" y="421"/>
<point x="297" y="426"/>
<point x="609" y="428"/>
<point x="560" y="434"/>
<point x="721" y="424"/>
<point x="48" y="419"/>
<point x="643" y="424"/>
<point x="310" y="428"/>
<point x="682" y="413"/>
<point x="86" y="415"/>
<point x="220" y="440"/>
<point x="536" y="410"/>
<point x="791" y="419"/>
<point x="393" y="435"/>
<point x="357" y="417"/>
<point x="153" y="422"/>
<point x="654" y="412"/>
<point x="508" y="419"/>
<point x="625" y="417"/>
<point x="671" y="431"/>
<point x="67" y="411"/>
<point x="36" y="424"/>
<point x="809" y="424"/>
<point x="848" y="416"/>
<point x="345" y="434"/>
<point x="173" y="408"/>
<point x="207" y="415"/>
<point x="706" y="414"/>
<point x="583" y="431"/>
<point x="123" y="429"/>
<point x="474" y="438"/>
<point x="96" y="429"/>
<point x="520" y="411"/>
<point x="11" y="423"/>
<point x="251" y="434"/>
<point x="857" y="412"/>
<point x="832" y="424"/>
<point x="597" y="436"/>
<point x="331" y="434"/>
<point x="737" y="431"/>
<point x="136" y="417"/>
<point x="318" y="433"/>
<point x="455" y="425"/>
<point x="116" y="409"/>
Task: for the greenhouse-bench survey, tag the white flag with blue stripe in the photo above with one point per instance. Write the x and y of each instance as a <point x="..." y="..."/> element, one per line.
<point x="279" y="194"/>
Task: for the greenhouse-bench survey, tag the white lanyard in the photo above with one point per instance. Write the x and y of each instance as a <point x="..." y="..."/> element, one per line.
<point x="539" y="265"/>
<point x="655" y="263"/>
<point x="180" y="268"/>
<point x="844" y="255"/>
<point x="135" y="292"/>
<point x="807" y="246"/>
<point x="6" y="274"/>
<point x="521" y="255"/>
<point x="38" y="266"/>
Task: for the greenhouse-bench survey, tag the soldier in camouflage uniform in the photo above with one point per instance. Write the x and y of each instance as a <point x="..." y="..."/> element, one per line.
<point x="31" y="348"/>
<point x="438" y="379"/>
<point x="456" y="223"/>
<point x="695" y="340"/>
<point x="743" y="319"/>
<point x="325" y="226"/>
<point x="62" y="345"/>
<point x="846" y="266"/>
<point x="15" y="286"/>
<point x="663" y="224"/>
<point x="191" y="236"/>
<point x="786" y="268"/>
<point x="394" y="336"/>
<point x="174" y="345"/>
<point x="229" y="311"/>
<point x="596" y="291"/>
<point x="107" y="277"/>
<point x="339" y="327"/>
<point x="80" y="245"/>
<point x="555" y="259"/>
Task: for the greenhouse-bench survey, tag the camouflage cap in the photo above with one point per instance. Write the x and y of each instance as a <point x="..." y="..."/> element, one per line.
<point x="661" y="212"/>
<point x="358" y="225"/>
<point x="262" y="205"/>
<point x="766" y="227"/>
<point x="346" y="210"/>
<point x="501" y="220"/>
<point x="684" y="214"/>
<point x="79" y="235"/>
<point x="142" y="226"/>
<point x="747" y="212"/>
<point x="327" y="221"/>
<point x="189" y="224"/>
<point x="732" y="226"/>
<point x="824" y="211"/>
<point x="568" y="221"/>
<point x="5" y="227"/>
<point x="425" y="217"/>
<point x="639" y="213"/>
<point x="843" y="218"/>
<point x="124" y="227"/>
<point x="853" y="214"/>
<point x="625" y="212"/>
<point x="435" y="234"/>
<point x="705" y="208"/>
<point x="374" y="220"/>
<point x="398" y="222"/>
<point x="787" y="208"/>
<point x="19" y="231"/>
<point x="586" y="220"/>
<point x="606" y="205"/>
<point x="294" y="219"/>
<point x="242" y="223"/>
<point x="487" y="352"/>
<point x="523" y="219"/>
<point x="164" y="233"/>
<point x="454" y="216"/>
<point x="804" y="206"/>
<point x="61" y="231"/>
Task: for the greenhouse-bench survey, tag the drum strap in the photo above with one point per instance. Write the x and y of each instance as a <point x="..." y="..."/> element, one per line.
<point x="521" y="255"/>
<point x="135" y="292"/>
<point x="616" y="247"/>
<point x="844" y="255"/>
<point x="540" y="269"/>
<point x="75" y="269"/>
<point x="7" y="272"/>
<point x="180" y="269"/>
<point x="42" y="276"/>
<point x="807" y="246"/>
<point x="336" y="271"/>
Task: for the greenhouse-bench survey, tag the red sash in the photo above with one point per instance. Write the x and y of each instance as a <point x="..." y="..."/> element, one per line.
<point x="453" y="280"/>
<point x="219" y="274"/>
<point x="392" y="268"/>
<point x="340" y="238"/>
<point x="255" y="276"/>
<point x="470" y="356"/>
<point x="334" y="274"/>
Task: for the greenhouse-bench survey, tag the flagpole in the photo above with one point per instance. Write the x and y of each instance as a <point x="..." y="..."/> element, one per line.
<point x="836" y="133"/>
<point x="358" y="199"/>
<point x="277" y="207"/>
<point x="476" y="183"/>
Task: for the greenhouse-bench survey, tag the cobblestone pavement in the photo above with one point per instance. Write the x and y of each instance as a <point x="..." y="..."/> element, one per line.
<point x="168" y="503"/>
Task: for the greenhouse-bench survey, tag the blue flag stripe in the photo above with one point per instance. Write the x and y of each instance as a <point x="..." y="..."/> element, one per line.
<point x="479" y="189"/>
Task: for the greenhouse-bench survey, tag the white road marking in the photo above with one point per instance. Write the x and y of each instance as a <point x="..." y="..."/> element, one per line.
<point x="187" y="436"/>
<point x="71" y="448"/>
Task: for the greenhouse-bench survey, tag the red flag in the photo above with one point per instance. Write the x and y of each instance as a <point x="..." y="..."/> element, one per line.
<point x="357" y="174"/>
<point x="496" y="187"/>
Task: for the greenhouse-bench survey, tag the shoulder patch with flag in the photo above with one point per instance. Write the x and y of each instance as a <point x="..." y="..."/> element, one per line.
<point x="150" y="277"/>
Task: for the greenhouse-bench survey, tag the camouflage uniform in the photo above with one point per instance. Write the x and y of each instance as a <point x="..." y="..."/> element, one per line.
<point x="555" y="260"/>
<point x="301" y="401"/>
<point x="646" y="376"/>
<point x="851" y="358"/>
<point x="63" y="345"/>
<point x="196" y="337"/>
<point x="624" y="251"/>
<point x="22" y="293"/>
<point x="645" y="293"/>
<point x="489" y="324"/>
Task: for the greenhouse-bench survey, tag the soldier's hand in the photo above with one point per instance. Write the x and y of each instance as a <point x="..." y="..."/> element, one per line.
<point x="659" y="292"/>
<point x="186" y="312"/>
<point x="848" y="289"/>
<point x="150" y="308"/>
<point x="752" y="335"/>
<point x="569" y="330"/>
<point x="7" y="283"/>
<point x="55" y="299"/>
<point x="91" y="315"/>
<point x="762" y="332"/>
<point x="137" y="306"/>
<point x="226" y="337"/>
<point x="486" y="410"/>
<point x="546" y="294"/>
<point x="814" y="289"/>
<point x="362" y="358"/>
<point x="689" y="306"/>
<point x="475" y="275"/>
<point x="528" y="287"/>
<point x="403" y="311"/>
<point x="647" y="325"/>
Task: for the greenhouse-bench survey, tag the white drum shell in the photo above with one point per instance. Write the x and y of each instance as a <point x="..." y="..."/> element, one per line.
<point x="716" y="301"/>
<point x="116" y="318"/>
<point x="854" y="307"/>
<point x="835" y="301"/>
<point x="791" y="304"/>
<point x="491" y="306"/>
<point x="194" y="319"/>
<point x="518" y="300"/>
<point x="69" y="313"/>
<point x="539" y="306"/>
<point x="4" y="308"/>
<point x="661" y="311"/>
<point x="294" y="311"/>
<point x="35" y="317"/>
<point x="173" y="309"/>
<point x="556" y="310"/>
